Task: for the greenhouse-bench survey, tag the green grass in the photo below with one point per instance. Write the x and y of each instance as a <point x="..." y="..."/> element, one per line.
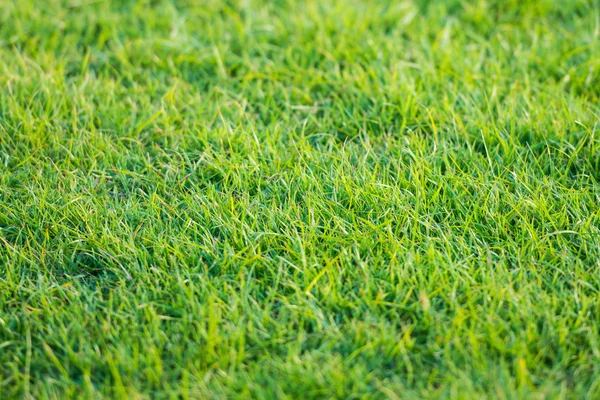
<point x="301" y="199"/>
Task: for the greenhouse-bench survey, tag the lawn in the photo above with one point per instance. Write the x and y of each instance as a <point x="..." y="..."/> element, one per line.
<point x="300" y="199"/>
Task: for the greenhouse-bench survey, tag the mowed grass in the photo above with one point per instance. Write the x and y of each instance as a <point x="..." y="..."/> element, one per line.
<point x="300" y="199"/>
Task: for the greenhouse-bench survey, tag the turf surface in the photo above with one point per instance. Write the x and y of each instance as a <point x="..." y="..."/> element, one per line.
<point x="303" y="199"/>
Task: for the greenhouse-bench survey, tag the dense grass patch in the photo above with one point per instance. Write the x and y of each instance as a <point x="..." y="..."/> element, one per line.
<point x="316" y="199"/>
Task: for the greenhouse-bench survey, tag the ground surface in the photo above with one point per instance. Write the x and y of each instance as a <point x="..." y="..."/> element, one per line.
<point x="307" y="199"/>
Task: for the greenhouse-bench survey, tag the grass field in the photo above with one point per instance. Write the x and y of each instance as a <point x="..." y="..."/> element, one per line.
<point x="300" y="199"/>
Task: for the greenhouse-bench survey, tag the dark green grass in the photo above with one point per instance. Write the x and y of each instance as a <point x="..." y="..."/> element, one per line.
<point x="317" y="199"/>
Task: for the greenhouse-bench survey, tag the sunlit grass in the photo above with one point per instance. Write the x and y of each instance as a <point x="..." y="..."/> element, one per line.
<point x="317" y="199"/>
